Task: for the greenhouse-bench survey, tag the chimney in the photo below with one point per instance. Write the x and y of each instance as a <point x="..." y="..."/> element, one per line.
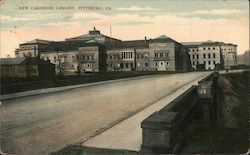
<point x="145" y="40"/>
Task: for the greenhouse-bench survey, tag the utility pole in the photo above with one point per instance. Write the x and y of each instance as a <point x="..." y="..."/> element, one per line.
<point x="135" y="59"/>
<point x="110" y="31"/>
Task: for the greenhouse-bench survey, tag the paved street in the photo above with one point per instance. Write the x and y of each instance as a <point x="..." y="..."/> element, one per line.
<point x="45" y="123"/>
<point x="128" y="132"/>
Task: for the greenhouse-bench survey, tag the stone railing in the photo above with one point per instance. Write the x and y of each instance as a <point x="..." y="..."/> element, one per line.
<point x="162" y="130"/>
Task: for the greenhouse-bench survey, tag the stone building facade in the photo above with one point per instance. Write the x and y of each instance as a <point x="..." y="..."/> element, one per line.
<point x="229" y="53"/>
<point x="160" y="54"/>
<point x="94" y="52"/>
<point x="92" y="58"/>
<point x="211" y="55"/>
<point x="31" y="48"/>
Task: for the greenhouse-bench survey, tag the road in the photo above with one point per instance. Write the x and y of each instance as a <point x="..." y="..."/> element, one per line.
<point x="128" y="132"/>
<point x="48" y="122"/>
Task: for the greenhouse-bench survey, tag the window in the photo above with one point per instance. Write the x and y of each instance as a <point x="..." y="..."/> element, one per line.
<point x="156" y="55"/>
<point x="204" y="55"/>
<point x="214" y="63"/>
<point x="197" y="56"/>
<point x="146" y="64"/>
<point x="110" y="56"/>
<point x="167" y="63"/>
<point x="193" y="56"/>
<point x="156" y="64"/>
<point x="209" y="62"/>
<point x="161" y="54"/>
<point x="197" y="49"/>
<point x="204" y="48"/>
<point x="161" y="63"/>
<point x="126" y="65"/>
<point x="214" y="48"/>
<point x="92" y="57"/>
<point x="204" y="62"/>
<point x="193" y="63"/>
<point x="213" y="55"/>
<point x="209" y="55"/>
<point x="208" y="48"/>
<point x="193" y="49"/>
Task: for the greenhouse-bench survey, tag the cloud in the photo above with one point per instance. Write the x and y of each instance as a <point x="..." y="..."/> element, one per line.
<point x="126" y="27"/>
<point x="136" y="8"/>
<point x="5" y="18"/>
<point x="89" y="15"/>
<point x="212" y="12"/>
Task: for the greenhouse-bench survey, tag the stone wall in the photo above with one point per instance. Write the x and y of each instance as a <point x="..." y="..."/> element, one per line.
<point x="162" y="131"/>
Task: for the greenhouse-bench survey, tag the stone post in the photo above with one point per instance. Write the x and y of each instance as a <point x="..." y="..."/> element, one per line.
<point x="159" y="133"/>
<point x="206" y="97"/>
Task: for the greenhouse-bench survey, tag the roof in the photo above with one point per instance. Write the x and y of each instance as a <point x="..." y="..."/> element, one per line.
<point x="142" y="43"/>
<point x="212" y="43"/>
<point x="35" y="60"/>
<point x="11" y="61"/>
<point x="91" y="35"/>
<point x="130" y="44"/>
<point x="69" y="45"/>
<point x="191" y="44"/>
<point x="163" y="40"/>
<point x="206" y="43"/>
<point x="37" y="41"/>
<point x="162" y="37"/>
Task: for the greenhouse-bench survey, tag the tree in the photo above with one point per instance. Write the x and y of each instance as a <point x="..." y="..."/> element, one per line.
<point x="59" y="60"/>
<point x="27" y="59"/>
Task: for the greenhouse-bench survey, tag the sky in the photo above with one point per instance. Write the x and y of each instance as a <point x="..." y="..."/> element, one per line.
<point x="181" y="20"/>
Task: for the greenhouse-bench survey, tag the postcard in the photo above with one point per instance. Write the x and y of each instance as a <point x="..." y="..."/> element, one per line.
<point x="124" y="77"/>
